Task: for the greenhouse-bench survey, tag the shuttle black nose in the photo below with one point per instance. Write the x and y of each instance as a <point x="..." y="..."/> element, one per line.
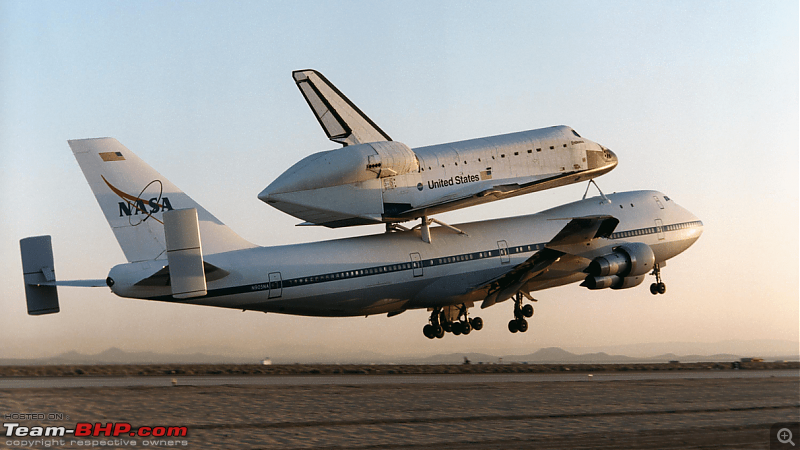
<point x="609" y="155"/>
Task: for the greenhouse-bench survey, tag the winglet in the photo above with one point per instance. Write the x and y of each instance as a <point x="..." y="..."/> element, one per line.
<point x="341" y="120"/>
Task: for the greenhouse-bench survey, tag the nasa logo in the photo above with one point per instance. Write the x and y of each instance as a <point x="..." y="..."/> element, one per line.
<point x="419" y="186"/>
<point x="134" y="205"/>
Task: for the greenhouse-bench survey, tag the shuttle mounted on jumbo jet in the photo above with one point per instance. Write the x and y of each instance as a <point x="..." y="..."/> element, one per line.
<point x="373" y="179"/>
<point x="179" y="252"/>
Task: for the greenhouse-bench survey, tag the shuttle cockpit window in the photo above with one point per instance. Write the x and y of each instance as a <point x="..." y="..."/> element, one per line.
<point x="575" y="133"/>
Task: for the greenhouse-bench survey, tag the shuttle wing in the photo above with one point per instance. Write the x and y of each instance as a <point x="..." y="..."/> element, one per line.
<point x="342" y="121"/>
<point x="578" y="231"/>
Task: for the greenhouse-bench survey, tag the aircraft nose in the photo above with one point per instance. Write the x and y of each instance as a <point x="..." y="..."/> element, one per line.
<point x="610" y="157"/>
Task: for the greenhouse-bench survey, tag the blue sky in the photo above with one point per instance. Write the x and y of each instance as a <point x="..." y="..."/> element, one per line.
<point x="698" y="99"/>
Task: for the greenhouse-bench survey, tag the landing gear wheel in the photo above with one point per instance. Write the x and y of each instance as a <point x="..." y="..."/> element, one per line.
<point x="438" y="332"/>
<point x="658" y="287"/>
<point x="513" y="326"/>
<point x="465" y="328"/>
<point x="522" y="325"/>
<point x="456" y="328"/>
<point x="477" y="323"/>
<point x="448" y="327"/>
<point x="428" y="331"/>
<point x="527" y="311"/>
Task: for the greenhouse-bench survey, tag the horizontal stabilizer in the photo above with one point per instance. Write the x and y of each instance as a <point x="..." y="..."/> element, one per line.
<point x="341" y="120"/>
<point x="73" y="283"/>
<point x="37" y="268"/>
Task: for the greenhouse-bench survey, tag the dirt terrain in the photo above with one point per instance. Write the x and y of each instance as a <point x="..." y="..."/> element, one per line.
<point x="120" y="370"/>
<point x="670" y="413"/>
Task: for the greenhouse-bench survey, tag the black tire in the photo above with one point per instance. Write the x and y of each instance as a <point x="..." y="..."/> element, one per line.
<point x="512" y="326"/>
<point x="654" y="289"/>
<point x="447" y="326"/>
<point x="428" y="331"/>
<point x="456" y="329"/>
<point x="662" y="288"/>
<point x="522" y="325"/>
<point x="438" y="332"/>
<point x="477" y="323"/>
<point x="466" y="328"/>
<point x="527" y="311"/>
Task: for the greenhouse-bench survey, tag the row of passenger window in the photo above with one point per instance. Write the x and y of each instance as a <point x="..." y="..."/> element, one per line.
<point x="651" y="230"/>
<point x="632" y="233"/>
<point x="681" y="226"/>
<point x="404" y="266"/>
<point x="351" y="274"/>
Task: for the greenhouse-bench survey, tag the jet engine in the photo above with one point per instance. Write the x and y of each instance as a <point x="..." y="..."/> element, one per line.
<point x="624" y="268"/>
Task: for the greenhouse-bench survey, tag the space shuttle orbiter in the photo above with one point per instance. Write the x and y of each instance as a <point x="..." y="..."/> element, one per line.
<point x="373" y="179"/>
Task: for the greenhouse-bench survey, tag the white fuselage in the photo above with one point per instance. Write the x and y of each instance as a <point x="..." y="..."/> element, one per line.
<point x="392" y="272"/>
<point x="389" y="182"/>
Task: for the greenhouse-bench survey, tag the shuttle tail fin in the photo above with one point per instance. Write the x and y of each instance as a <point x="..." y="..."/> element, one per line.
<point x="342" y="121"/>
<point x="133" y="197"/>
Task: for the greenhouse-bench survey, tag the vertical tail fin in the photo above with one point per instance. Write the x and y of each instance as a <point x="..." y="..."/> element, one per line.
<point x="133" y="197"/>
<point x="342" y="121"/>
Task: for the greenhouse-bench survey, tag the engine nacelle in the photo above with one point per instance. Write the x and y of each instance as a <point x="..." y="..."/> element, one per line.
<point x="630" y="259"/>
<point x="622" y="269"/>
<point x="612" y="281"/>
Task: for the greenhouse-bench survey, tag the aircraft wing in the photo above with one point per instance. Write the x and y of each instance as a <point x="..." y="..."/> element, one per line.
<point x="578" y="231"/>
<point x="341" y="120"/>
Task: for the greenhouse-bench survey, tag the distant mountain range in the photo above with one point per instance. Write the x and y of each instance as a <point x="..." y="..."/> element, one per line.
<point x="551" y="355"/>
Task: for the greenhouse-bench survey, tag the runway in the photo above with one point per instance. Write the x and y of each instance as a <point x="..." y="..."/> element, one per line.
<point x="359" y="380"/>
<point x="714" y="409"/>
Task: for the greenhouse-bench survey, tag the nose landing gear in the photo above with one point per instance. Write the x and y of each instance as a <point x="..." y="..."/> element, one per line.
<point x="658" y="287"/>
<point x="520" y="313"/>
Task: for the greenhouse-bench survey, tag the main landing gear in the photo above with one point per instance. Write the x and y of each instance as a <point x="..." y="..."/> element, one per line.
<point x="520" y="313"/>
<point x="658" y="287"/>
<point x="453" y="319"/>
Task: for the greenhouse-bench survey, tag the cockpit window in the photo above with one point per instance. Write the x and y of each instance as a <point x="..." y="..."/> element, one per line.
<point x="576" y="133"/>
<point x="666" y="198"/>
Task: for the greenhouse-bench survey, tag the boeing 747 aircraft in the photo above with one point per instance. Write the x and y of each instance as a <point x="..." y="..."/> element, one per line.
<point x="179" y="252"/>
<point x="373" y="179"/>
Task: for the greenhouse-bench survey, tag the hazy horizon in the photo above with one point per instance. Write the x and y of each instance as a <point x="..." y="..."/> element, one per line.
<point x="698" y="100"/>
<point x="651" y="352"/>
